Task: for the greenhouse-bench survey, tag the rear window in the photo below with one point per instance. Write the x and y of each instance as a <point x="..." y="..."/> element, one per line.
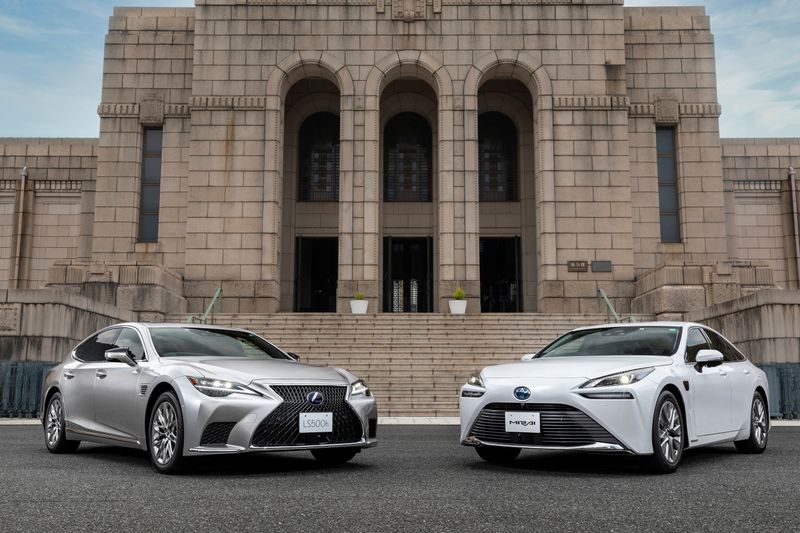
<point x="200" y="342"/>
<point x="622" y="340"/>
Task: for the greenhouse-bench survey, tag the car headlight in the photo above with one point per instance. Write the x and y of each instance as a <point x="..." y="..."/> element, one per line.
<point x="219" y="388"/>
<point x="475" y="380"/>
<point x="359" y="387"/>
<point x="622" y="378"/>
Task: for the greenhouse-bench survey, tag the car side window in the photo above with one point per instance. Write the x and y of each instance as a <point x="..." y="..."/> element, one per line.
<point x="130" y="339"/>
<point x="93" y="349"/>
<point x="730" y="353"/>
<point x="695" y="342"/>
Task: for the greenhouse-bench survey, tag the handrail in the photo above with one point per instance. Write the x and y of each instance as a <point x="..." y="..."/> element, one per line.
<point x="603" y="297"/>
<point x="209" y="310"/>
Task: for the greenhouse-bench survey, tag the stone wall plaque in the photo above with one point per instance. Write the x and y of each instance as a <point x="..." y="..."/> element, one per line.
<point x="151" y="110"/>
<point x="577" y="266"/>
<point x="667" y="111"/>
<point x="9" y="320"/>
<point x="408" y="10"/>
<point x="602" y="266"/>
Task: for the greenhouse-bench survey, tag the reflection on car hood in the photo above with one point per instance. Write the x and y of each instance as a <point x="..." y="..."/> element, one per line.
<point x="588" y="367"/>
<point x="247" y="369"/>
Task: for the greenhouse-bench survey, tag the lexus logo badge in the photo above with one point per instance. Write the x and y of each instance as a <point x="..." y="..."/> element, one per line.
<point x="522" y="393"/>
<point x="315" y="398"/>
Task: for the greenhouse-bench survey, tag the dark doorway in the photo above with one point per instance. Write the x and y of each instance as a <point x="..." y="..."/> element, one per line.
<point x="407" y="279"/>
<point x="500" y="279"/>
<point x="316" y="274"/>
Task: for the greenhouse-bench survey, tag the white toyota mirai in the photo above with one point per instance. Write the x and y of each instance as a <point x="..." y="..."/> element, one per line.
<point x="649" y="389"/>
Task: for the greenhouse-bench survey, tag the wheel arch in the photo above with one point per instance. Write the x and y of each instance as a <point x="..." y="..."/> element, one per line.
<point x="52" y="390"/>
<point x="760" y="390"/>
<point x="671" y="387"/>
<point x="158" y="390"/>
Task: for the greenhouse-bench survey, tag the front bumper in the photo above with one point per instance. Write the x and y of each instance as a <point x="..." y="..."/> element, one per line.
<point x="235" y="424"/>
<point x="569" y="421"/>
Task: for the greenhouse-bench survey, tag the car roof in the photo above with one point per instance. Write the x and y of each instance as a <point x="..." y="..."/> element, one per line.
<point x="158" y="325"/>
<point x="661" y="324"/>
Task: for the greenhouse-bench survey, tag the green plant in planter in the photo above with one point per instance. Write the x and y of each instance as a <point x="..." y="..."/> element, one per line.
<point x="459" y="294"/>
<point x="359" y="296"/>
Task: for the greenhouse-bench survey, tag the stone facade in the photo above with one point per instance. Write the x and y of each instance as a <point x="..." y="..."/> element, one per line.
<point x="586" y="84"/>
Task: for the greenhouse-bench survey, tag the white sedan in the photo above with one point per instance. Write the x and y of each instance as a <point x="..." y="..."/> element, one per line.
<point x="649" y="389"/>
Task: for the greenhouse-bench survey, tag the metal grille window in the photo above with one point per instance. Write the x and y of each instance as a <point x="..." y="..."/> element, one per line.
<point x="497" y="158"/>
<point x="149" y="200"/>
<point x="668" y="185"/>
<point x="407" y="159"/>
<point x="319" y="158"/>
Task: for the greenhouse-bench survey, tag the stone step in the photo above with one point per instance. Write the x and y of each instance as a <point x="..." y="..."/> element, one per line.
<point x="414" y="364"/>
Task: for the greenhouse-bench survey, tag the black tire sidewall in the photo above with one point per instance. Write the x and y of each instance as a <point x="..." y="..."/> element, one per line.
<point x="659" y="462"/>
<point x="753" y="442"/>
<point x="177" y="458"/>
<point x="62" y="437"/>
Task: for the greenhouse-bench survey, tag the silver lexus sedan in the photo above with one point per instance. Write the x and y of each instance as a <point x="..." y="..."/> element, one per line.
<point x="180" y="390"/>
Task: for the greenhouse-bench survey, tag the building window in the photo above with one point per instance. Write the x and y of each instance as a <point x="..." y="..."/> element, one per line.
<point x="407" y="164"/>
<point x="497" y="158"/>
<point x="668" y="185"/>
<point x="151" y="185"/>
<point x="319" y="158"/>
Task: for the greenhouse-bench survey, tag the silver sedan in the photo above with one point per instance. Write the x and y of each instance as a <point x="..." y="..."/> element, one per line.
<point x="180" y="390"/>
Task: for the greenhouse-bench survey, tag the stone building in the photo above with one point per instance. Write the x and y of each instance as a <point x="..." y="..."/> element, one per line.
<point x="295" y="152"/>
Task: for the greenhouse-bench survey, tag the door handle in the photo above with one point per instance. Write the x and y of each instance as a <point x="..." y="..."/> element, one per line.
<point x="101" y="374"/>
<point x="723" y="373"/>
<point x="69" y="375"/>
<point x="747" y="372"/>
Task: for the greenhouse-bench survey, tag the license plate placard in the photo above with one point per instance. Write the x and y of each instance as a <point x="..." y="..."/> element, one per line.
<point x="523" y="422"/>
<point x="316" y="422"/>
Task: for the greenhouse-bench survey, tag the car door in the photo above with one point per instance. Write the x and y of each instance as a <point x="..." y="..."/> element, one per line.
<point x="711" y="389"/>
<point x="77" y="387"/>
<point x="740" y="375"/>
<point x="117" y="397"/>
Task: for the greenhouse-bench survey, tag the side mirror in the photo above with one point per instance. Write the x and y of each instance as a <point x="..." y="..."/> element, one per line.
<point x="528" y="356"/>
<point x="120" y="355"/>
<point x="294" y="356"/>
<point x="708" y="358"/>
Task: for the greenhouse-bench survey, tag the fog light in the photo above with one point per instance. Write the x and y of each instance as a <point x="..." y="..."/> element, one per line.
<point x="471" y="394"/>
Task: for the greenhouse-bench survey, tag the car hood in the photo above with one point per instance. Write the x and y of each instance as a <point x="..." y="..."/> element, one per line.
<point x="588" y="367"/>
<point x="246" y="370"/>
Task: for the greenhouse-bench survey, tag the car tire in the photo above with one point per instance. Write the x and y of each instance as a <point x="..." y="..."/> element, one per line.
<point x="759" y="427"/>
<point x="668" y="434"/>
<point x="334" y="456"/>
<point x="55" y="436"/>
<point x="165" y="434"/>
<point x="498" y="454"/>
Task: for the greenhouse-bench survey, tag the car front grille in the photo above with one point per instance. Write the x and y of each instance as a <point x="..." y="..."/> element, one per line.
<point x="281" y="426"/>
<point x="217" y="433"/>
<point x="561" y="425"/>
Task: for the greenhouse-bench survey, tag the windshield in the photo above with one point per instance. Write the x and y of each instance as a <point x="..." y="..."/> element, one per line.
<point x="623" y="340"/>
<point x="199" y="342"/>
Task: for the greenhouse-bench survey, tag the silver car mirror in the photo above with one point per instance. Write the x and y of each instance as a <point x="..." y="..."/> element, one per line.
<point x="294" y="356"/>
<point x="120" y="355"/>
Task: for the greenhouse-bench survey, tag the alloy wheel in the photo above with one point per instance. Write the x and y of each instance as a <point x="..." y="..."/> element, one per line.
<point x="670" y="432"/>
<point x="759" y="421"/>
<point x="164" y="433"/>
<point x="54" y="417"/>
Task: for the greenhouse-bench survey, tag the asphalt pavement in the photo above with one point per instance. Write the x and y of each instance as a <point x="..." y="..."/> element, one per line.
<point x="417" y="479"/>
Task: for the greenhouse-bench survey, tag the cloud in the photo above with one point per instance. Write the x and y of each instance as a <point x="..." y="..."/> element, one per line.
<point x="758" y="68"/>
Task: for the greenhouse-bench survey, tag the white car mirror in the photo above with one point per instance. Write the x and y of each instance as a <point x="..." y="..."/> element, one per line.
<point x="528" y="356"/>
<point x="708" y="357"/>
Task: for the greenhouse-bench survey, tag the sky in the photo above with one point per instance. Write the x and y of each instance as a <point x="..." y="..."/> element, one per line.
<point x="51" y="56"/>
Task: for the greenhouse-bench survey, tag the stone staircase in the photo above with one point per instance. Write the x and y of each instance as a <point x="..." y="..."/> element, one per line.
<point x="414" y="363"/>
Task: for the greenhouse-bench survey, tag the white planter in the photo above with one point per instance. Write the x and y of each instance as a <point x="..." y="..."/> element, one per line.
<point x="457" y="307"/>
<point x="359" y="307"/>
